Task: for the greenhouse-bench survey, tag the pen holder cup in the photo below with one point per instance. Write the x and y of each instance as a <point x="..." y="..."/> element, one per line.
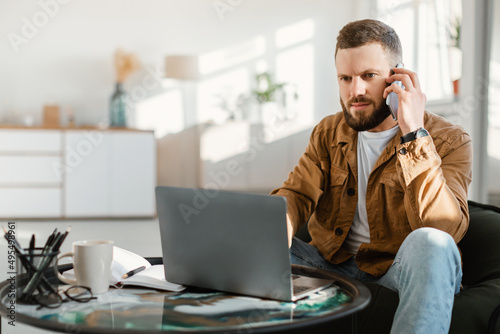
<point x="35" y="267"/>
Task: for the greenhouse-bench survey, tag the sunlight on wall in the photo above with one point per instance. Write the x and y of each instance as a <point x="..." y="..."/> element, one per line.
<point x="225" y="93"/>
<point x="296" y="66"/>
<point x="163" y="113"/>
<point x="228" y="76"/>
<point x="221" y="60"/>
<point x="218" y="95"/>
<point x="494" y="111"/>
<point x="224" y="141"/>
<point x="494" y="98"/>
<point x="295" y="33"/>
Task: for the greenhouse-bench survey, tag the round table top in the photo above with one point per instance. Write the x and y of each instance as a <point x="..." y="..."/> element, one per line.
<point x="141" y="310"/>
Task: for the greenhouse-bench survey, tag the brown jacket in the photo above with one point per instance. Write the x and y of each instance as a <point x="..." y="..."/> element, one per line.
<point x="422" y="183"/>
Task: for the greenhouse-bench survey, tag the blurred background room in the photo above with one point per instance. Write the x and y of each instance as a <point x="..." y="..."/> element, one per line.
<point x="100" y="101"/>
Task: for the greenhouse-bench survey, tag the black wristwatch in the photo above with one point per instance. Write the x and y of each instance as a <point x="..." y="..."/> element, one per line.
<point x="418" y="133"/>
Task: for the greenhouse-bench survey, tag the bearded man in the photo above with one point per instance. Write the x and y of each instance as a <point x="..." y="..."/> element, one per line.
<point x="385" y="199"/>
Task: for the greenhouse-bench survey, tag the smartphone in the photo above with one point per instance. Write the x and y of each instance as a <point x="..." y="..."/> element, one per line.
<point x="392" y="99"/>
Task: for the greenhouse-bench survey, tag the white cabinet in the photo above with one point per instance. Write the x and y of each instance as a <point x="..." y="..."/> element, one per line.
<point x="30" y="202"/>
<point x="30" y="141"/>
<point x="86" y="174"/>
<point x="133" y="168"/>
<point x="29" y="185"/>
<point x="31" y="169"/>
<point x="110" y="174"/>
<point x="76" y="173"/>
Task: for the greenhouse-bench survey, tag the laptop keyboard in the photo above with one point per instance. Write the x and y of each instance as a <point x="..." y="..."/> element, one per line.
<point x="299" y="288"/>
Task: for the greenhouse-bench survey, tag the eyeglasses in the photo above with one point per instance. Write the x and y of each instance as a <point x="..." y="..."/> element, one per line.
<point x="76" y="293"/>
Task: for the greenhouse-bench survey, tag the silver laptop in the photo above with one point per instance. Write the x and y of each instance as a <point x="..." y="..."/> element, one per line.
<point x="229" y="241"/>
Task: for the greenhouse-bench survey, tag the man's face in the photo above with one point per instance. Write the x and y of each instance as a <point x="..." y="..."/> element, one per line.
<point x="361" y="74"/>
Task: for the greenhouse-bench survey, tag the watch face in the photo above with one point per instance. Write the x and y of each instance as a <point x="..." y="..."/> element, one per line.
<point x="421" y="133"/>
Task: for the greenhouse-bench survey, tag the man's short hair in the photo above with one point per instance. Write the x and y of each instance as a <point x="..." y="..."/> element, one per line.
<point x="362" y="32"/>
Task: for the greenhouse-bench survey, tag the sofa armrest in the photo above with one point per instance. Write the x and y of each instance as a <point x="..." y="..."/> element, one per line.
<point x="481" y="244"/>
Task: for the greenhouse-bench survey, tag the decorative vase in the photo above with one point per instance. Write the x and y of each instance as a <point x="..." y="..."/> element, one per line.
<point x="118" y="107"/>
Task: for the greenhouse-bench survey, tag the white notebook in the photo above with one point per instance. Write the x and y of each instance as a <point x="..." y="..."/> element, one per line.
<point x="125" y="261"/>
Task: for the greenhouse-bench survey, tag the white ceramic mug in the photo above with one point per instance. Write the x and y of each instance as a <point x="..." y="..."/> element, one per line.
<point x="92" y="264"/>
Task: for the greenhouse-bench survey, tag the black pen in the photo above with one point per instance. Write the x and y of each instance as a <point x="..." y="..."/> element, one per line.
<point x="25" y="262"/>
<point x="49" y="240"/>
<point x="39" y="274"/>
<point x="133" y="272"/>
<point x="32" y="251"/>
<point x="58" y="246"/>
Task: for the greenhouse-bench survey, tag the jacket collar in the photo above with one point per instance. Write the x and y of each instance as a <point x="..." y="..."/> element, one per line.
<point x="345" y="135"/>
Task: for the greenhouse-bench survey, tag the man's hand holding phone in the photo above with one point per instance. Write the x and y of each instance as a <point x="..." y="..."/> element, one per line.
<point x="412" y="100"/>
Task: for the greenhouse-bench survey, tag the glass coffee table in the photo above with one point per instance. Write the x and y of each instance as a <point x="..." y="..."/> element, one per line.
<point x="140" y="310"/>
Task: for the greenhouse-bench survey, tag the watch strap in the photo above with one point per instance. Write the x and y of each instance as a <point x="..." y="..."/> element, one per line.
<point x="418" y="133"/>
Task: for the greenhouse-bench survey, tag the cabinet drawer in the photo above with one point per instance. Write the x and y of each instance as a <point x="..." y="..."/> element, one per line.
<point x="20" y="170"/>
<point x="30" y="202"/>
<point x="110" y="174"/>
<point x="19" y="141"/>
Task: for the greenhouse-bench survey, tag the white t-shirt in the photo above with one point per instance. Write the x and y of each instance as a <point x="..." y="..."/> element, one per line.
<point x="370" y="146"/>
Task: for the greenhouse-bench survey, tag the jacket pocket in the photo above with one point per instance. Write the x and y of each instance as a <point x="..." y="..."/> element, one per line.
<point x="393" y="212"/>
<point x="337" y="176"/>
<point x="329" y="203"/>
<point x="391" y="180"/>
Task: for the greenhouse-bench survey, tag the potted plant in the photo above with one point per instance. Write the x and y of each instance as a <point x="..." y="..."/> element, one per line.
<point x="267" y="89"/>
<point x="455" y="53"/>
<point x="270" y="95"/>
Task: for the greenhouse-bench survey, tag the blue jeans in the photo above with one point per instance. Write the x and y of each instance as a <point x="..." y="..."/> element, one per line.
<point x="426" y="274"/>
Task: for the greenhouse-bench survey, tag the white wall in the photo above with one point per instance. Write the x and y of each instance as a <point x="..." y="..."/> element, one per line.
<point x="494" y="111"/>
<point x="68" y="60"/>
<point x="473" y="100"/>
<point x="495" y="48"/>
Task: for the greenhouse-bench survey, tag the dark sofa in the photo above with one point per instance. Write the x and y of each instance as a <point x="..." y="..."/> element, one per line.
<point x="473" y="306"/>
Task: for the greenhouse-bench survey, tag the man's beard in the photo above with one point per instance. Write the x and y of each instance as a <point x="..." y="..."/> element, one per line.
<point x="362" y="121"/>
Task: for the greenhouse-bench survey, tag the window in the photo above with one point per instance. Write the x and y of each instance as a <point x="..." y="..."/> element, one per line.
<point x="428" y="33"/>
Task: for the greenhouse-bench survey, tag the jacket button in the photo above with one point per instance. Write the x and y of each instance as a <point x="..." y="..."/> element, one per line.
<point x="403" y="151"/>
<point x="351" y="192"/>
<point x="338" y="231"/>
